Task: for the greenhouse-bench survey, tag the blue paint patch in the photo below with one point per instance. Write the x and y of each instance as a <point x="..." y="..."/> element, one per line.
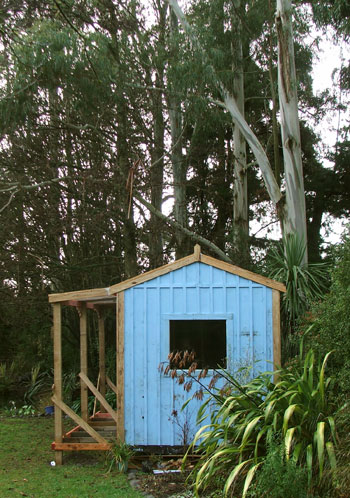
<point x="196" y="292"/>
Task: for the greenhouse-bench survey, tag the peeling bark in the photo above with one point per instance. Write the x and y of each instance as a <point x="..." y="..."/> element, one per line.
<point x="229" y="103"/>
<point x="294" y="219"/>
<point x="291" y="210"/>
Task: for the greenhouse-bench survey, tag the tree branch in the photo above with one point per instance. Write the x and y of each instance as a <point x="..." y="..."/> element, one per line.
<point x="17" y="187"/>
<point x="229" y="103"/>
<point x="174" y="224"/>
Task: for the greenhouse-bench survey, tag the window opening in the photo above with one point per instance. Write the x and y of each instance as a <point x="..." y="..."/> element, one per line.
<point x="206" y="338"/>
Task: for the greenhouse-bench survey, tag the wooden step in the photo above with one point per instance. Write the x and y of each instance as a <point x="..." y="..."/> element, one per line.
<point x="101" y="428"/>
<point x="101" y="419"/>
<point x="80" y="446"/>
<point x="84" y="434"/>
<point x="72" y="440"/>
<point x="102" y="423"/>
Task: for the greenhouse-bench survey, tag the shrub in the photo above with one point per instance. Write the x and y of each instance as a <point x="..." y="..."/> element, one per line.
<point x="119" y="456"/>
<point x="280" y="477"/>
<point x="294" y="411"/>
<point x="304" y="282"/>
<point x="7" y="379"/>
<point x="331" y="318"/>
<point x="39" y="382"/>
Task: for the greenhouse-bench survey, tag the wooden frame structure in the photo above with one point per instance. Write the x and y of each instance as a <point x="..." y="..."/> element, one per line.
<point x="98" y="432"/>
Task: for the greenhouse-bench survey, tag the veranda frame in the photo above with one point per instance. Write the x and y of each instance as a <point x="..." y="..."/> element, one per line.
<point x="98" y="299"/>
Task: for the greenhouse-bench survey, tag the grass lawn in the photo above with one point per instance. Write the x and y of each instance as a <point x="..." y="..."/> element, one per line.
<point x="25" y="469"/>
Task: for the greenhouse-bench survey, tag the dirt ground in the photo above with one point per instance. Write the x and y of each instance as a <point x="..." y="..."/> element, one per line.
<point x="166" y="485"/>
<point x="172" y="482"/>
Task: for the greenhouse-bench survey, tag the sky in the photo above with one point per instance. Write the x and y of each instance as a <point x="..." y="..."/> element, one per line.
<point x="330" y="57"/>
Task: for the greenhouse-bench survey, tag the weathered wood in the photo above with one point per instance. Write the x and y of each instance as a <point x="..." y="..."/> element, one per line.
<point x="98" y="395"/>
<point x="197" y="252"/>
<point x="235" y="270"/>
<point x="83" y="362"/>
<point x="57" y="388"/>
<point x="192" y="258"/>
<point x="80" y="439"/>
<point x="180" y="263"/>
<point x="102" y="423"/>
<point x="81" y="446"/>
<point x="77" y="434"/>
<point x="82" y="294"/>
<point x="84" y="425"/>
<point x="276" y="325"/>
<point x="120" y="367"/>
<point x="101" y="352"/>
<point x="95" y="400"/>
<point x="111" y="385"/>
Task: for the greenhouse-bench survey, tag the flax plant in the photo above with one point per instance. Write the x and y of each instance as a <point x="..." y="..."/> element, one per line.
<point x="294" y="411"/>
<point x="305" y="282"/>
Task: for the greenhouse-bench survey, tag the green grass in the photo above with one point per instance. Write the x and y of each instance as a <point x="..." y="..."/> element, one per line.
<point x="25" y="469"/>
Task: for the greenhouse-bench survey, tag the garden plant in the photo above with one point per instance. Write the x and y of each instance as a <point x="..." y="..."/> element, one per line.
<point x="294" y="412"/>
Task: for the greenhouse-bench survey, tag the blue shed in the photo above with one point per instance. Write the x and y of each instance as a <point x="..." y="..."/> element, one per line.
<point x="229" y="316"/>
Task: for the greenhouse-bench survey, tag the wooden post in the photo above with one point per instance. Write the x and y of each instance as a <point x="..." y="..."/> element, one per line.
<point x="83" y="361"/>
<point x="276" y="326"/>
<point x="101" y="352"/>
<point x="57" y="387"/>
<point x="197" y="252"/>
<point x="120" y="367"/>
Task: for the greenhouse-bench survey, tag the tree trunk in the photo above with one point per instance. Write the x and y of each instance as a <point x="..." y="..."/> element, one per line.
<point x="274" y="98"/>
<point x="292" y="211"/>
<point x="294" y="216"/>
<point x="177" y="159"/>
<point x="240" y="195"/>
<point x="157" y="152"/>
<point x="229" y="103"/>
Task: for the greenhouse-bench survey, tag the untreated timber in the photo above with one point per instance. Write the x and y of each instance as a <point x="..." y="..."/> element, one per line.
<point x="81" y="446"/>
<point x="78" y="420"/>
<point x="99" y="396"/>
<point x="94" y="295"/>
<point x="276" y="327"/>
<point x="120" y="366"/>
<point x="57" y="387"/>
<point x="83" y="361"/>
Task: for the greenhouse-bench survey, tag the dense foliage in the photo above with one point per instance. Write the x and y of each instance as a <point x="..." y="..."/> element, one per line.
<point x="294" y="411"/>
<point x="331" y="320"/>
<point x="305" y="283"/>
<point x="103" y="100"/>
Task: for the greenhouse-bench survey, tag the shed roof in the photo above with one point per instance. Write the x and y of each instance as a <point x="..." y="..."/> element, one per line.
<point x="106" y="295"/>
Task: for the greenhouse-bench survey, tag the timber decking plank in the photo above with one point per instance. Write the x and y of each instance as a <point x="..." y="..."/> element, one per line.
<point x="81" y="446"/>
<point x="78" y="434"/>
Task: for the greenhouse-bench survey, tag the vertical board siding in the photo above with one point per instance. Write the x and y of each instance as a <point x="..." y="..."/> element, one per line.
<point x="197" y="291"/>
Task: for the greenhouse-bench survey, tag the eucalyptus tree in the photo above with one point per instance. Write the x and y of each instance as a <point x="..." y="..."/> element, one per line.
<point x="292" y="220"/>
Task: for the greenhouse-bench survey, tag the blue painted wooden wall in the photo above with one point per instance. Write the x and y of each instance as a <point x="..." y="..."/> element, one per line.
<point x="197" y="291"/>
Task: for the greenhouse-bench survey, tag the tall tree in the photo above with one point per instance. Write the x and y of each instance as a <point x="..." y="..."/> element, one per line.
<point x="240" y="204"/>
<point x="294" y="219"/>
<point x="286" y="209"/>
